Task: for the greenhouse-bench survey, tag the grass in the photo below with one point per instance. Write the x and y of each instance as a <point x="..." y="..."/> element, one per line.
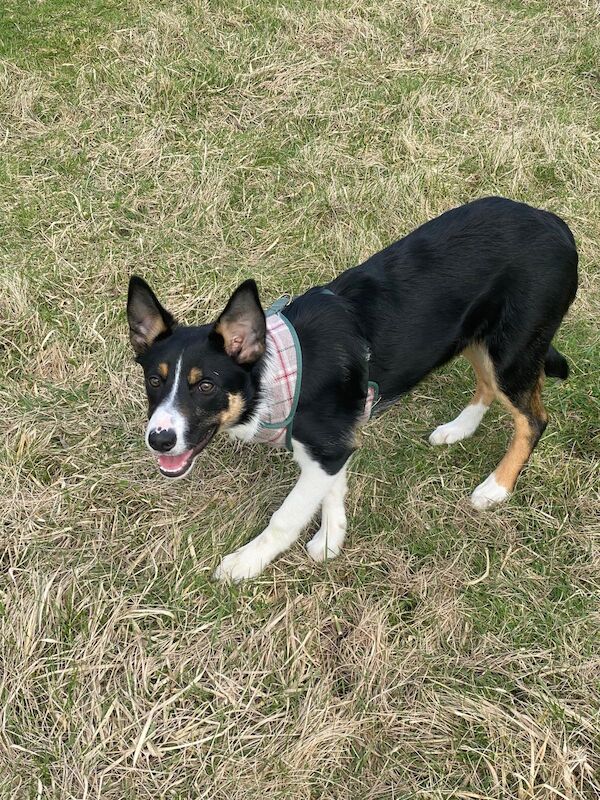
<point x="445" y="654"/>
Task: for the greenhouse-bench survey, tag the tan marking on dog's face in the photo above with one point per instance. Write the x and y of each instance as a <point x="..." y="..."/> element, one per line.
<point x="163" y="369"/>
<point x="232" y="415"/>
<point x="194" y="375"/>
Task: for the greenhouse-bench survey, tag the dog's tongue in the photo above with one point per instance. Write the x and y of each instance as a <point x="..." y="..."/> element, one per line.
<point x="174" y="463"/>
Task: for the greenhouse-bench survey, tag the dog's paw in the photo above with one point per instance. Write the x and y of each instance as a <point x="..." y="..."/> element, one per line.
<point x="247" y="562"/>
<point x="489" y="494"/>
<point x="325" y="544"/>
<point x="460" y="428"/>
<point x="449" y="433"/>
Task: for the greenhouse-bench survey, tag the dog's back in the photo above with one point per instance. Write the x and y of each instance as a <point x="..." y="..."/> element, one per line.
<point x="492" y="271"/>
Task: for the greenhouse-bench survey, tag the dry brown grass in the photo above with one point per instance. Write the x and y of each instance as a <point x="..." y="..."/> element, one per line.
<point x="445" y="653"/>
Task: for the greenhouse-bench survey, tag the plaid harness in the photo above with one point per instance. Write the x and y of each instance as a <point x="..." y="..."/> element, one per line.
<point x="283" y="391"/>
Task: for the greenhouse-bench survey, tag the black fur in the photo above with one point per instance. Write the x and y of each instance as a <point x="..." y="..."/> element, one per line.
<point x="494" y="272"/>
<point x="555" y="364"/>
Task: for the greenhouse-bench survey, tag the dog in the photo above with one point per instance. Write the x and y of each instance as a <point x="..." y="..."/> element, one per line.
<point x="491" y="280"/>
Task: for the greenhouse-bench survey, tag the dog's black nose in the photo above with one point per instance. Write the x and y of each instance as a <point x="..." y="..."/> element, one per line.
<point x="162" y="440"/>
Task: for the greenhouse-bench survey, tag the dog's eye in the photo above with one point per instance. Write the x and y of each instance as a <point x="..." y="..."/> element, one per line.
<point x="206" y="386"/>
<point x="155" y="381"/>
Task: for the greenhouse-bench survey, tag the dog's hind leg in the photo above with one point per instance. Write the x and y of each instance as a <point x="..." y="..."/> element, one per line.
<point x="328" y="540"/>
<point x="469" y="418"/>
<point x="530" y="420"/>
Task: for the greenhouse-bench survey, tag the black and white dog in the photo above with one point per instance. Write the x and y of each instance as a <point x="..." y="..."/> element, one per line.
<point x="491" y="279"/>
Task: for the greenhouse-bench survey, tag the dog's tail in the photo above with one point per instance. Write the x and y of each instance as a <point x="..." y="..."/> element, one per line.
<point x="555" y="365"/>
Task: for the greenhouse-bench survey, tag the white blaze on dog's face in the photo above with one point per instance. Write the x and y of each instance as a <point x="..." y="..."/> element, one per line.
<point x="199" y="379"/>
<point x="167" y="424"/>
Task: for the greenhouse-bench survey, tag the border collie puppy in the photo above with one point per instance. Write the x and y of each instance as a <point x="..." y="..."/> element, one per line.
<point x="490" y="280"/>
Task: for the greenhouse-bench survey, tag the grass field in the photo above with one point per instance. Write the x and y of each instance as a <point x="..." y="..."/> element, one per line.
<point x="446" y="653"/>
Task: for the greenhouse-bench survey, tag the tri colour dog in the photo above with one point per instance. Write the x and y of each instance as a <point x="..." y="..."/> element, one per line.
<point x="491" y="280"/>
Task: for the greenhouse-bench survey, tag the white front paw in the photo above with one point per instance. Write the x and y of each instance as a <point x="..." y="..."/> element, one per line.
<point x="489" y="494"/>
<point x="325" y="545"/>
<point x="246" y="562"/>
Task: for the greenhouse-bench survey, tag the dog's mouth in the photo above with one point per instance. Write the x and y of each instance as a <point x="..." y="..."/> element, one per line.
<point x="178" y="466"/>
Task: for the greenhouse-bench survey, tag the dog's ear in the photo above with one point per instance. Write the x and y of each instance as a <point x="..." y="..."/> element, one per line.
<point x="242" y="325"/>
<point x="148" y="320"/>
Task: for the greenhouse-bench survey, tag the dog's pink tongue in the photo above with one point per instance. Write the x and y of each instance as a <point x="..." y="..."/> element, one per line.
<point x="174" y="463"/>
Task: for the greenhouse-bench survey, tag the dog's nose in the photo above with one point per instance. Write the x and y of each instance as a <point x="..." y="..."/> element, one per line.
<point x="162" y="440"/>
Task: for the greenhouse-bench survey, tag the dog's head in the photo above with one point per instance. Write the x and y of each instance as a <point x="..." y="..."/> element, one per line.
<point x="199" y="379"/>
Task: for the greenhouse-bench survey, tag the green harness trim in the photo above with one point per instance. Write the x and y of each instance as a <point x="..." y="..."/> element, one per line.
<point x="375" y="386"/>
<point x="288" y="423"/>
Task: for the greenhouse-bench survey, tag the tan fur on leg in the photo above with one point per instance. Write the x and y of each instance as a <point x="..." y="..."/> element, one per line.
<point x="468" y="420"/>
<point x="529" y="421"/>
<point x="526" y="436"/>
<point x="486" y="388"/>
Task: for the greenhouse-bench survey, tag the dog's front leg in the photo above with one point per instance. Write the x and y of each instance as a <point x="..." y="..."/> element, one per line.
<point x="328" y="540"/>
<point x="286" y="523"/>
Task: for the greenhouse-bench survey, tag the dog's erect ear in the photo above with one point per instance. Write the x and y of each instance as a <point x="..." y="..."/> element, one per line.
<point x="242" y="325"/>
<point x="147" y="318"/>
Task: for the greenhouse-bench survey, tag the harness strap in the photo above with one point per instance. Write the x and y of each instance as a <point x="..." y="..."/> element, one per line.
<point x="278" y="305"/>
<point x="288" y="423"/>
<point x="372" y="391"/>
